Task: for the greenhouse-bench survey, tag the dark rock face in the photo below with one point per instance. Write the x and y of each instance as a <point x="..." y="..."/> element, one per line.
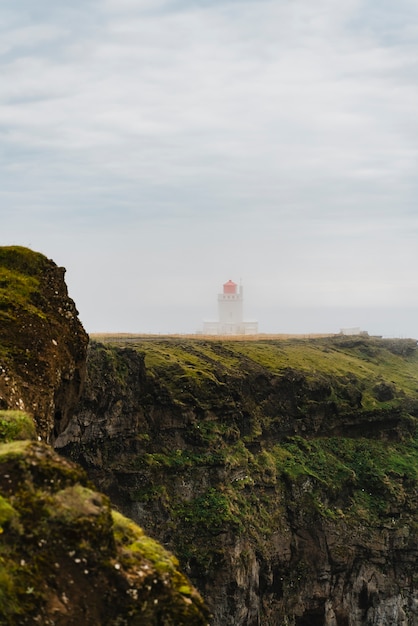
<point x="43" y="344"/>
<point x="289" y="495"/>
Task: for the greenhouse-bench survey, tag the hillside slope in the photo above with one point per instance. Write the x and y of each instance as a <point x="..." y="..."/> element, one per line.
<point x="282" y="473"/>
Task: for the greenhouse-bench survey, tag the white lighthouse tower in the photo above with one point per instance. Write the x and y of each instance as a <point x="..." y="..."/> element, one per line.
<point x="230" y="314"/>
<point x="230" y="309"/>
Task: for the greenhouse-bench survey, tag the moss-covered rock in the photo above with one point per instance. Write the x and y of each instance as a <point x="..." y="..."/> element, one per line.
<point x="42" y="342"/>
<point x="15" y="425"/>
<point x="66" y="557"/>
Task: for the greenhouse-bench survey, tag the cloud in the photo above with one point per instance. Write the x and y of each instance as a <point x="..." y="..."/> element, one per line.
<point x="272" y="139"/>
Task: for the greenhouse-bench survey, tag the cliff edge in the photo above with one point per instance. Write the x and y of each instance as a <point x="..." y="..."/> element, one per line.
<point x="66" y="557"/>
<point x="283" y="474"/>
<point x="42" y="342"/>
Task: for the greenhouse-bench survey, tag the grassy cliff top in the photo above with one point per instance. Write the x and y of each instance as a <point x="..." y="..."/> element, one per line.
<point x="20" y="272"/>
<point x="42" y="342"/>
<point x="384" y="370"/>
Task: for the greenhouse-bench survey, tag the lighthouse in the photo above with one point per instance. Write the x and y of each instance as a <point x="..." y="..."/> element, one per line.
<point x="230" y="313"/>
<point x="230" y="308"/>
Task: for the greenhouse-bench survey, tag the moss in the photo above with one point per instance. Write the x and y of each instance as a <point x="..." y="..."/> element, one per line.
<point x="16" y="287"/>
<point x="179" y="459"/>
<point x="124" y="529"/>
<point x="16" y="425"/>
<point x="135" y="542"/>
<point x="110" y="362"/>
<point x="152" y="551"/>
<point x="351" y="475"/>
<point x="75" y="502"/>
<point x="329" y="478"/>
<point x="18" y="296"/>
<point x="23" y="260"/>
<point x="37" y="461"/>
<point x="14" y="449"/>
<point x="58" y="530"/>
<point x="210" y="512"/>
<point x="340" y="373"/>
<point x="7" y="513"/>
<point x="9" y="601"/>
<point x="140" y="551"/>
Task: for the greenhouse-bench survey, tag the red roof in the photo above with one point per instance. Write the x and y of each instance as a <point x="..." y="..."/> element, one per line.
<point x="230" y="287"/>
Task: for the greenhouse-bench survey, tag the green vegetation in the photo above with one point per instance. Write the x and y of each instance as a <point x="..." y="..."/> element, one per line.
<point x="9" y="600"/>
<point x="210" y="512"/>
<point x="22" y="260"/>
<point x="198" y="368"/>
<point x="344" y="472"/>
<point x="221" y="444"/>
<point x="20" y="269"/>
<point x="60" y="542"/>
<point x="15" y="425"/>
<point x="22" y="306"/>
<point x="135" y="542"/>
<point x="7" y="513"/>
<point x="344" y="481"/>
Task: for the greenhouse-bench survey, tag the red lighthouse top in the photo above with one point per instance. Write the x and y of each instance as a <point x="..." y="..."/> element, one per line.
<point x="230" y="287"/>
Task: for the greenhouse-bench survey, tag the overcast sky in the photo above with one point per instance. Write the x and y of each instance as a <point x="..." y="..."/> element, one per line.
<point x="158" y="148"/>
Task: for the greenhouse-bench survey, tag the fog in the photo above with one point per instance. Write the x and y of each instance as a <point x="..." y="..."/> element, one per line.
<point x="157" y="149"/>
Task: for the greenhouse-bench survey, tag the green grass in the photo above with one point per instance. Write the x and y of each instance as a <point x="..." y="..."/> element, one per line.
<point x="198" y="368"/>
<point x="366" y="361"/>
<point x="22" y="260"/>
<point x="20" y="270"/>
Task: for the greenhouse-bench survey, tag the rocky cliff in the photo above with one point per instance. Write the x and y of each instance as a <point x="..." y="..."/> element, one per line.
<point x="42" y="342"/>
<point x="282" y="473"/>
<point x="66" y="557"/>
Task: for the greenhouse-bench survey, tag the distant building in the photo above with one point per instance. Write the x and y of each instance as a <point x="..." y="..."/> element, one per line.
<point x="230" y="314"/>
<point x="353" y="331"/>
